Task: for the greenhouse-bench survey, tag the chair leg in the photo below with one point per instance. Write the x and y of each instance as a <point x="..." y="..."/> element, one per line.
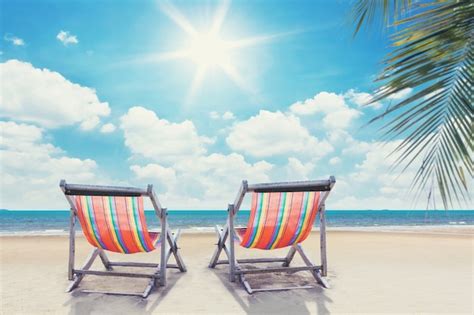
<point x="316" y="273"/>
<point x="246" y="284"/>
<point x="72" y="244"/>
<point x="151" y="284"/>
<point x="164" y="237"/>
<point x="220" y="245"/>
<point x="174" y="237"/>
<point x="232" y="260"/>
<point x="289" y="257"/>
<point x="105" y="259"/>
<point x="149" y="287"/>
<point x="175" y="250"/>
<point x="324" y="259"/>
<point x="78" y="277"/>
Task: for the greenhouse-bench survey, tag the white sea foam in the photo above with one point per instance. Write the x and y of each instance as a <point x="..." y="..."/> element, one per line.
<point x="458" y="228"/>
<point x="34" y="233"/>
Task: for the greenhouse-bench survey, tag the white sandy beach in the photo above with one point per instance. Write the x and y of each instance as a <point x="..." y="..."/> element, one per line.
<point x="369" y="272"/>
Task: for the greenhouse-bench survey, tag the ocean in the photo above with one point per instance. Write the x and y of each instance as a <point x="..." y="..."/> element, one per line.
<point x="44" y="222"/>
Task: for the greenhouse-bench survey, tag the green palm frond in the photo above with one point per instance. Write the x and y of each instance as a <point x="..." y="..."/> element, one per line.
<point x="434" y="55"/>
<point x="367" y="11"/>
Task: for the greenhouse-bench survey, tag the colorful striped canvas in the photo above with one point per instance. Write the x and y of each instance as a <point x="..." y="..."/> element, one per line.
<point x="115" y="224"/>
<point x="280" y="219"/>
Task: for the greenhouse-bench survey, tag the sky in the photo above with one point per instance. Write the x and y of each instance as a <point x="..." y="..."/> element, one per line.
<point x="192" y="97"/>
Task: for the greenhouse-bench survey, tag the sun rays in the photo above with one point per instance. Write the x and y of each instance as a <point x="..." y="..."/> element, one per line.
<point x="207" y="49"/>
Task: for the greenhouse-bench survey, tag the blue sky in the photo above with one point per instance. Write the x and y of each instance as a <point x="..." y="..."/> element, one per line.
<point x="95" y="92"/>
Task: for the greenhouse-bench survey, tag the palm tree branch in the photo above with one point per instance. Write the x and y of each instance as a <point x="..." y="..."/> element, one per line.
<point x="433" y="54"/>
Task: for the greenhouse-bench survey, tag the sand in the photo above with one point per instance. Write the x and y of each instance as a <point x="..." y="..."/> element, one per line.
<point x="369" y="272"/>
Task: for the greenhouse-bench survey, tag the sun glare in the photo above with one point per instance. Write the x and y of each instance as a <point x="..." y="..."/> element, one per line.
<point x="208" y="50"/>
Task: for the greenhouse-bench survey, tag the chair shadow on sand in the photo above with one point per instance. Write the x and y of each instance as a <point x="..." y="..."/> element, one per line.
<point x="88" y="303"/>
<point x="277" y="302"/>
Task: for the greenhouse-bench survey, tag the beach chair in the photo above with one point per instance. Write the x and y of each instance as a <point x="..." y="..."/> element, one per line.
<point x="113" y="219"/>
<point x="282" y="215"/>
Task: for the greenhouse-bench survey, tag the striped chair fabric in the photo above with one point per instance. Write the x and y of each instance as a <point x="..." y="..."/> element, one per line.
<point x="115" y="224"/>
<point x="279" y="219"/>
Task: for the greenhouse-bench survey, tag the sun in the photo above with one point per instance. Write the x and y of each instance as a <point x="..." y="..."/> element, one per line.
<point x="207" y="49"/>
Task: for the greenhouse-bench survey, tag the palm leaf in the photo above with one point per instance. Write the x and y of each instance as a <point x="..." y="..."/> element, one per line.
<point x="433" y="54"/>
<point x="367" y="11"/>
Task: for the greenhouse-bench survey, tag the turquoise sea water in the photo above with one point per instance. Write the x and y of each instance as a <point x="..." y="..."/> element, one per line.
<point x="56" y="222"/>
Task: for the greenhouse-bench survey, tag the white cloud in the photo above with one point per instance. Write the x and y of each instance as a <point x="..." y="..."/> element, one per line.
<point x="228" y="116"/>
<point x="32" y="168"/>
<point x="297" y="170"/>
<point x="372" y="184"/>
<point x="90" y="123"/>
<point x="361" y="99"/>
<point x="187" y="177"/>
<point x="18" y="134"/>
<point x="160" y="140"/>
<point x="205" y="182"/>
<point x="66" y="38"/>
<point x="324" y="102"/>
<point x="225" y="116"/>
<point x="14" y="40"/>
<point x="108" y="128"/>
<point x="218" y="173"/>
<point x="400" y="94"/>
<point x="225" y="167"/>
<point x="337" y="114"/>
<point x="356" y="147"/>
<point x="335" y="160"/>
<point x="340" y="119"/>
<point x="155" y="173"/>
<point x="46" y="98"/>
<point x="275" y="133"/>
<point x="347" y="144"/>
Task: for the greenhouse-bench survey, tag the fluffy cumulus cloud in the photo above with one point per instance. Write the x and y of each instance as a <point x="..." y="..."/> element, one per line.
<point x="361" y="99"/>
<point x="157" y="139"/>
<point x="297" y="170"/>
<point x="46" y="98"/>
<point x="215" y="178"/>
<point x="373" y="184"/>
<point x="207" y="181"/>
<point x="337" y="113"/>
<point x="376" y="170"/>
<point x="185" y="174"/>
<point x="348" y="145"/>
<point x="190" y="170"/>
<point x="156" y="174"/>
<point x="32" y="168"/>
<point x="275" y="133"/>
<point x="67" y="38"/>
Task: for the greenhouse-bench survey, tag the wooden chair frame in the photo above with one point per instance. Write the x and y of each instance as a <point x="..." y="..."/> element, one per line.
<point x="226" y="236"/>
<point x="166" y="237"/>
